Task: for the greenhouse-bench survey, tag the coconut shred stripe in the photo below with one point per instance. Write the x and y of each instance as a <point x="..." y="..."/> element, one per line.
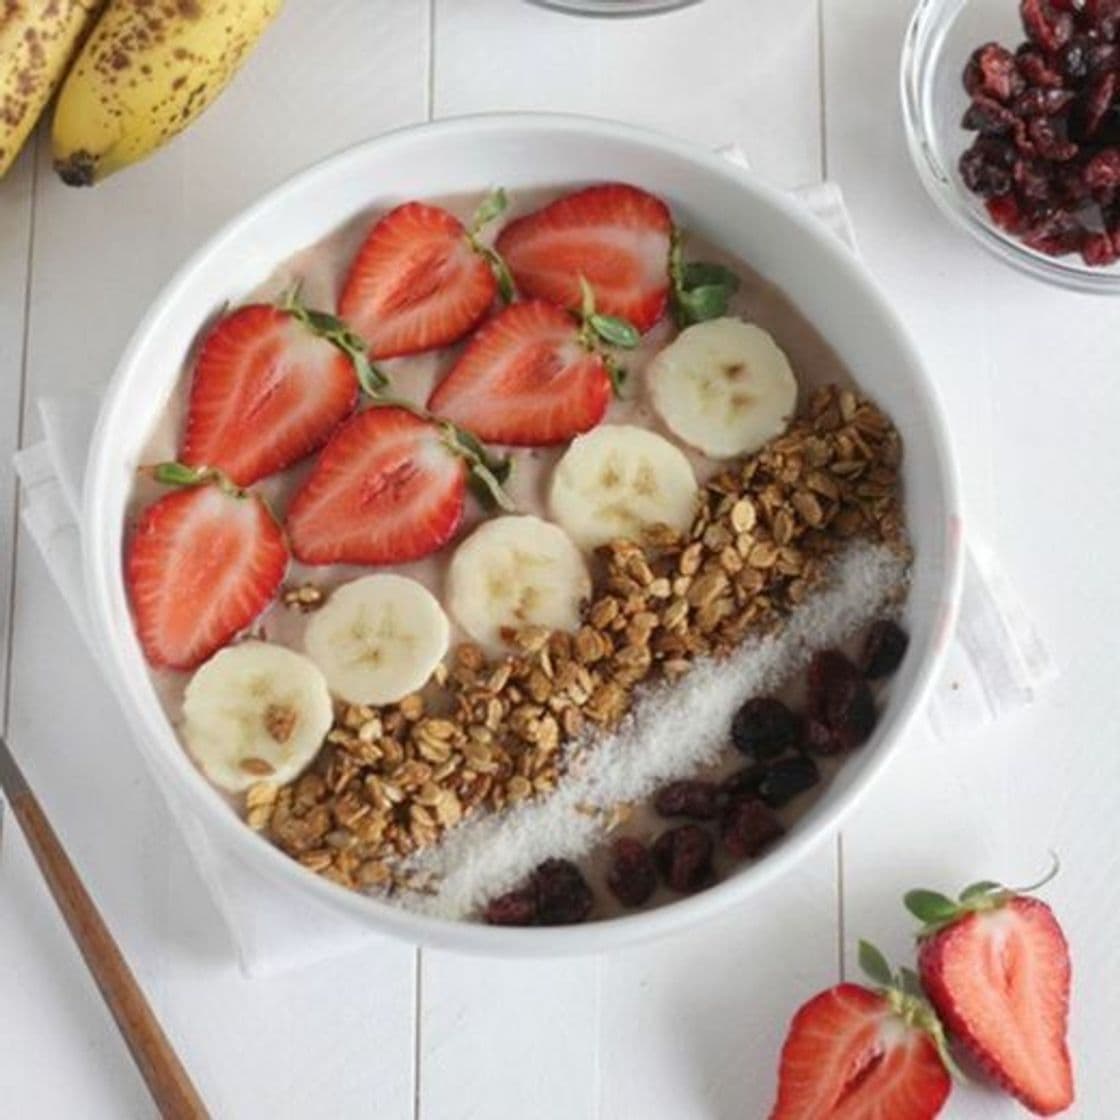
<point x="672" y="732"/>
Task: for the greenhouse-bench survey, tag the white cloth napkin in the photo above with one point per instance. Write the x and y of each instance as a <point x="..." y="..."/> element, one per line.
<point x="995" y="663"/>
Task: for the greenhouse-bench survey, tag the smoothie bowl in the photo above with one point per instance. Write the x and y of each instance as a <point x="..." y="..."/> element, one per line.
<point x="566" y="556"/>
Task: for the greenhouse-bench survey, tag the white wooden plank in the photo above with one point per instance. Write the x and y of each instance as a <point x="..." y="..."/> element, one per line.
<point x="692" y="1026"/>
<point x="1023" y="369"/>
<point x="15" y="239"/>
<point x="334" y="1039"/>
<point x="639" y="1033"/>
<point x="719" y="72"/>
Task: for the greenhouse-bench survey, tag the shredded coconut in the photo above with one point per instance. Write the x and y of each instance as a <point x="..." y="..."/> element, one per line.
<point x="673" y="730"/>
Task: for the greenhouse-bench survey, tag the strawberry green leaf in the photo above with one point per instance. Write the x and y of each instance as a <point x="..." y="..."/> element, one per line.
<point x="701" y="304"/>
<point x="491" y="207"/>
<point x="979" y="890"/>
<point x="615" y="331"/>
<point x="335" y="331"/>
<point x="930" y="907"/>
<point x="699" y="274"/>
<point x="617" y="374"/>
<point x="502" y="274"/>
<point x="874" y="964"/>
<point x="179" y="474"/>
<point x="910" y="982"/>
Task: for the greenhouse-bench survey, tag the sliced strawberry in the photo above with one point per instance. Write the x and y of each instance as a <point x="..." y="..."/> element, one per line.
<point x="267" y="390"/>
<point x="996" y="966"/>
<point x="526" y="379"/>
<point x="386" y="489"/>
<point x="201" y="565"/>
<point x="856" y="1054"/>
<point x="616" y="236"/>
<point x="417" y="282"/>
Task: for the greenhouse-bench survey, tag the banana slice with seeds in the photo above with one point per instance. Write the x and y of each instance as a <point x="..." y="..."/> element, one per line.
<point x="619" y="480"/>
<point x="378" y="638"/>
<point x="255" y="712"/>
<point x="513" y="572"/>
<point x="724" y="386"/>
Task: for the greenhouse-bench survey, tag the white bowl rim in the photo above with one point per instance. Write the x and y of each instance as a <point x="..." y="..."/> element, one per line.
<point x="101" y="563"/>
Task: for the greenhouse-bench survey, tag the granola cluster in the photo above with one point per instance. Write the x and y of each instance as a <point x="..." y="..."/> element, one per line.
<point x="487" y="733"/>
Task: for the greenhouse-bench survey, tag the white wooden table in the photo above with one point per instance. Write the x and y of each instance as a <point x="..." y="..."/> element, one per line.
<point x="684" y="1028"/>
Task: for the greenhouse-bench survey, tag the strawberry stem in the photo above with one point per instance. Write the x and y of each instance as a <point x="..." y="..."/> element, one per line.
<point x="335" y="331"/>
<point x="491" y="207"/>
<point x="487" y="473"/>
<point x="179" y="474"/>
<point x="700" y="290"/>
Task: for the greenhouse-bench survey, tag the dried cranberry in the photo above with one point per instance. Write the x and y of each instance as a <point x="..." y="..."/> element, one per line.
<point x="1034" y="68"/>
<point x="840" y="700"/>
<point x="684" y="857"/>
<point x="822" y="739"/>
<point x="1070" y="188"/>
<point x="1049" y="142"/>
<point x="789" y="777"/>
<point x="744" y="783"/>
<point x="986" y="167"/>
<point x="765" y="727"/>
<point x="1074" y="58"/>
<point x="1051" y="30"/>
<point x="1037" y="102"/>
<point x="1032" y="180"/>
<point x="563" y="896"/>
<point x="1103" y="57"/>
<point x="883" y="649"/>
<point x="516" y="908"/>
<point x="1099" y="249"/>
<point x="1102" y="172"/>
<point x="698" y="800"/>
<point x="991" y="72"/>
<point x="632" y="878"/>
<point x="1092" y="106"/>
<point x="748" y="827"/>
<point x="988" y="117"/>
<point x="1006" y="213"/>
<point x="1055" y="235"/>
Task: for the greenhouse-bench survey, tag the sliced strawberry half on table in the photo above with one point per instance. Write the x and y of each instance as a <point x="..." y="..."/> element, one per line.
<point x="201" y="564"/>
<point x="614" y="235"/>
<point x="857" y="1054"/>
<point x="526" y="378"/>
<point x="267" y="390"/>
<point x="996" y="966"/>
<point x="417" y="283"/>
<point x="387" y="488"/>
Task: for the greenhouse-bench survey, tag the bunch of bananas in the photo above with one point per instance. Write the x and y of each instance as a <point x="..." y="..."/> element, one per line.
<point x="133" y="73"/>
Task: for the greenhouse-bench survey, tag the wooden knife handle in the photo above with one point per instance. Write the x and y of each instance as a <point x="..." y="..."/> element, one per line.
<point x="167" y="1080"/>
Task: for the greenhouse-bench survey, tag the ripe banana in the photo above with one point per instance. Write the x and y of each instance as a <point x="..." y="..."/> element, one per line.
<point x="37" y="40"/>
<point x="724" y="386"/>
<point x="617" y="481"/>
<point x="513" y="572"/>
<point x="149" y="68"/>
<point x="378" y="638"/>
<point x="255" y="712"/>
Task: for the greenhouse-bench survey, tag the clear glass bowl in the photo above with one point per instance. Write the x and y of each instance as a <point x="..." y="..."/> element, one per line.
<point x="614" y="7"/>
<point x="942" y="36"/>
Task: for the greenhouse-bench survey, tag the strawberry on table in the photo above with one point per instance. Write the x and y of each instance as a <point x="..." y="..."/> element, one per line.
<point x="616" y="236"/>
<point x="389" y="487"/>
<point x="864" y="1054"/>
<point x="270" y="385"/>
<point x="421" y="279"/>
<point x="201" y="564"/>
<point x="526" y="378"/>
<point x="996" y="966"/>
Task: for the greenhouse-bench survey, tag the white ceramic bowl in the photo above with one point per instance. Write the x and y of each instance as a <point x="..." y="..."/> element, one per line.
<point x="723" y="203"/>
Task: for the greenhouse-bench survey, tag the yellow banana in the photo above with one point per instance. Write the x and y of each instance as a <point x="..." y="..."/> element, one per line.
<point x="37" y="39"/>
<point x="149" y="68"/>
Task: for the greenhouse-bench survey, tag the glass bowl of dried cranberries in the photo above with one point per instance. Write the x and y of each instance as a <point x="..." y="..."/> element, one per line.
<point x="1012" y="111"/>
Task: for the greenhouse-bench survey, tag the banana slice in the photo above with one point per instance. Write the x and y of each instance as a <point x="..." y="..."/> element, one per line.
<point x="513" y="572"/>
<point x="617" y="481"/>
<point x="724" y="386"/>
<point x="255" y="712"/>
<point x="378" y="638"/>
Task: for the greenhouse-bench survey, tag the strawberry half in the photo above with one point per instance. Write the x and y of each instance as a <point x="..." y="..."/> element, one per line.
<point x="614" y="235"/>
<point x="996" y="966"/>
<point x="526" y="378"/>
<point x="419" y="282"/>
<point x="389" y="487"/>
<point x="202" y="563"/>
<point x="269" y="387"/>
<point x="860" y="1054"/>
